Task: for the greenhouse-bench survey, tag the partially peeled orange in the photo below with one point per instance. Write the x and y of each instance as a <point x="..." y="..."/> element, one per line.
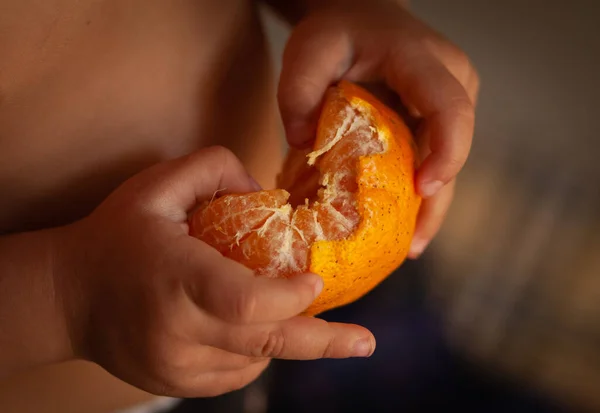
<point x="346" y="209"/>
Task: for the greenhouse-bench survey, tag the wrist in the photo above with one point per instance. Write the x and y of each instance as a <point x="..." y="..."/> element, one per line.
<point x="34" y="327"/>
<point x="70" y="281"/>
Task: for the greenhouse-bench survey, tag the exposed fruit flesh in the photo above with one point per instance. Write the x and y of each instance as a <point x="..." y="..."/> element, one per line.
<point x="272" y="231"/>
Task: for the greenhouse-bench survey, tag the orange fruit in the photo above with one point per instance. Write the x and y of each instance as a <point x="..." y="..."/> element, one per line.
<point x="346" y="209"/>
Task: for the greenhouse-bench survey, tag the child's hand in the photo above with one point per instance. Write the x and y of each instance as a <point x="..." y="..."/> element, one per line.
<point x="380" y="41"/>
<point x="167" y="313"/>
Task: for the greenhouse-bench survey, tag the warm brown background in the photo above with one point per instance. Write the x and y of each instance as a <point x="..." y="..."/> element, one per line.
<point x="518" y="263"/>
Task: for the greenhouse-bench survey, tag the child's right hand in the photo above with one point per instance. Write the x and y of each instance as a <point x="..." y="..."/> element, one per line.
<point x="167" y="313"/>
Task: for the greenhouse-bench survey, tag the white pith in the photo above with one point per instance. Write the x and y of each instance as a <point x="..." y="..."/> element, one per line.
<point x="288" y="245"/>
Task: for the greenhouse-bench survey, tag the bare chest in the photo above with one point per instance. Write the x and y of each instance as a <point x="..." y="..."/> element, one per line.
<point x="90" y="95"/>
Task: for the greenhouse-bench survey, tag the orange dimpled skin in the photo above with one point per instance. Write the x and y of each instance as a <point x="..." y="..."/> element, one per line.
<point x="346" y="209"/>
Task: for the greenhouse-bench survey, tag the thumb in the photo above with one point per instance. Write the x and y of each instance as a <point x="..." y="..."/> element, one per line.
<point x="179" y="185"/>
<point x="315" y="57"/>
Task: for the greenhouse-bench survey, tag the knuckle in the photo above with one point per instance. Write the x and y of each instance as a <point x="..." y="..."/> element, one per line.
<point x="297" y="93"/>
<point x="451" y="51"/>
<point x="269" y="344"/>
<point x="216" y="151"/>
<point x="199" y="156"/>
<point x="471" y="78"/>
<point x="462" y="106"/>
<point x="252" y="360"/>
<point x="328" y="350"/>
<point x="454" y="163"/>
<point x="244" y="308"/>
<point x="305" y="83"/>
<point x="458" y="63"/>
<point x="461" y="56"/>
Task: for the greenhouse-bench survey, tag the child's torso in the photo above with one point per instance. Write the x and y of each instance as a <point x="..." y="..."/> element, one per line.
<point x="91" y="93"/>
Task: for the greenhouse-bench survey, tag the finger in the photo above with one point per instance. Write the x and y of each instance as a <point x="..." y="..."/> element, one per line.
<point x="313" y="60"/>
<point x="232" y="293"/>
<point x="180" y="184"/>
<point x="425" y="84"/>
<point x="299" y="338"/>
<point x="431" y="215"/>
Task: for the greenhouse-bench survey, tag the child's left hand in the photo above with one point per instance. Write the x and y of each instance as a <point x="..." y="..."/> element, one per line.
<point x="381" y="41"/>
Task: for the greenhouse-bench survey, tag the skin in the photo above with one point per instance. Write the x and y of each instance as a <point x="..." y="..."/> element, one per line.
<point x="165" y="313"/>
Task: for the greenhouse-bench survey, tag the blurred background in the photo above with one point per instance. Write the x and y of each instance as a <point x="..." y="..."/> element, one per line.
<point x="502" y="314"/>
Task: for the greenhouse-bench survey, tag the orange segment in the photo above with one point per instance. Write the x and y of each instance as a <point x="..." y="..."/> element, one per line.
<point x="229" y="220"/>
<point x="354" y="198"/>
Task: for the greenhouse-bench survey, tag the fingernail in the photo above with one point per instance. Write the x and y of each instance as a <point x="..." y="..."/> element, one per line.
<point x="255" y="185"/>
<point x="429" y="189"/>
<point x="417" y="247"/>
<point x="362" y="348"/>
